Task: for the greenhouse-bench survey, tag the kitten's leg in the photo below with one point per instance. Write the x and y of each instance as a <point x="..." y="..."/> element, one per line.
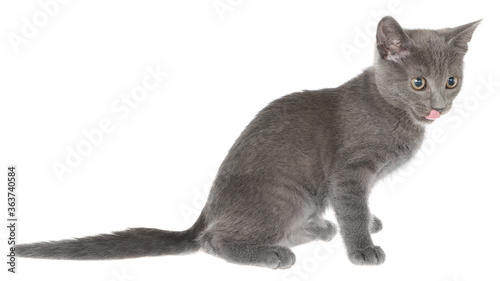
<point x="350" y="202"/>
<point x="258" y="255"/>
<point x="375" y="225"/>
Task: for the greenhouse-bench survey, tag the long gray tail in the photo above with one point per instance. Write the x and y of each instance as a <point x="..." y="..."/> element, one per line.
<point x="130" y="243"/>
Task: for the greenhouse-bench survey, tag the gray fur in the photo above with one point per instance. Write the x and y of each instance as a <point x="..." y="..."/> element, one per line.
<point x="306" y="152"/>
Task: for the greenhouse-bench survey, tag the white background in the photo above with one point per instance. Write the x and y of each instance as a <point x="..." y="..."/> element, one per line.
<point x="440" y="213"/>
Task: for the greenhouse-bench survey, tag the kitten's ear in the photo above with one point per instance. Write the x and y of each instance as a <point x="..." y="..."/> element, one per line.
<point x="392" y="41"/>
<point x="461" y="35"/>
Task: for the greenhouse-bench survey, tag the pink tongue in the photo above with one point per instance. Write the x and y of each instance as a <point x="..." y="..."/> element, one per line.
<point x="433" y="115"/>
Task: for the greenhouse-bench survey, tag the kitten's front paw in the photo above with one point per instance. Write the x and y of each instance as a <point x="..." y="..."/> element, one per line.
<point x="373" y="255"/>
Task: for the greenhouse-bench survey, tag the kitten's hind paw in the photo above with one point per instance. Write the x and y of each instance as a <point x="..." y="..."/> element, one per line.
<point x="329" y="232"/>
<point x="279" y="257"/>
<point x="373" y="255"/>
<point x="376" y="225"/>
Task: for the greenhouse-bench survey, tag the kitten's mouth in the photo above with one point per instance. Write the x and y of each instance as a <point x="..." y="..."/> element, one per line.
<point x="429" y="118"/>
<point x="433" y="115"/>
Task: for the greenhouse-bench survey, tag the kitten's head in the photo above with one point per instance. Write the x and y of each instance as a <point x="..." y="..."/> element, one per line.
<point x="420" y="70"/>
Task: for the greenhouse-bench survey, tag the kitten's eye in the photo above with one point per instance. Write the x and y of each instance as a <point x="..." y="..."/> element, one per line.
<point x="451" y="82"/>
<point x="418" y="83"/>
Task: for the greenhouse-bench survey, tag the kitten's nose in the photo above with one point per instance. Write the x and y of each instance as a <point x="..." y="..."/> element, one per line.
<point x="437" y="102"/>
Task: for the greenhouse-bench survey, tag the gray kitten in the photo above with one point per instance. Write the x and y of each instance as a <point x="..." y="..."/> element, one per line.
<point x="306" y="152"/>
